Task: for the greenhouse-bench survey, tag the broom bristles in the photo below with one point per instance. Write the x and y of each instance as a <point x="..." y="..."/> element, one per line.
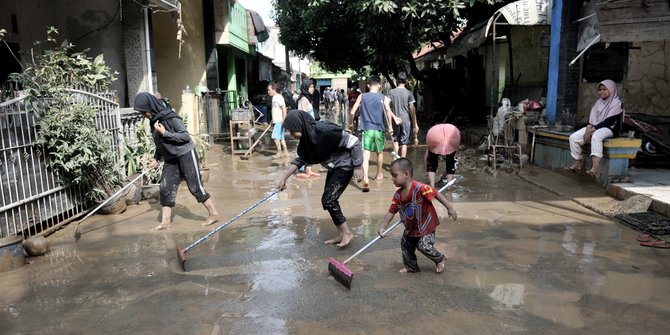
<point x="340" y="272"/>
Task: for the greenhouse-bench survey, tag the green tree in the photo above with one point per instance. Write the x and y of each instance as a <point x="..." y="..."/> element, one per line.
<point x="381" y="34"/>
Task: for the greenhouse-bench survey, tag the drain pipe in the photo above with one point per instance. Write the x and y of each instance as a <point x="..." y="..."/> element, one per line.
<point x="147" y="43"/>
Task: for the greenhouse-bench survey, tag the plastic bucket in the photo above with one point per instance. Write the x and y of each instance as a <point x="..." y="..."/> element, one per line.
<point x="11" y="253"/>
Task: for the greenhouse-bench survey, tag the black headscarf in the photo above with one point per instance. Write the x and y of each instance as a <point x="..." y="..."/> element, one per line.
<point x="304" y="89"/>
<point x="319" y="139"/>
<point x="147" y="102"/>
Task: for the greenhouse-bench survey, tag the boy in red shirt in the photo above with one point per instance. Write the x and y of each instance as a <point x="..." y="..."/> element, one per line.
<point x="414" y="201"/>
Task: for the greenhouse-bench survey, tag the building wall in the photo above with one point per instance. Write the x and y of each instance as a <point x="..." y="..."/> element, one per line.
<point x="92" y="24"/>
<point x="530" y="60"/>
<point x="648" y="90"/>
<point x="648" y="87"/>
<point x="174" y="73"/>
<point x="502" y="53"/>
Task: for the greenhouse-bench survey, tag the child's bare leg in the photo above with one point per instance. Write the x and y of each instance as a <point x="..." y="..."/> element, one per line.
<point x="366" y="165"/>
<point x="345" y="235"/>
<point x="380" y="165"/>
<point x="431" y="179"/>
<point x="213" y="214"/>
<point x="439" y="267"/>
<point x="283" y="143"/>
<point x="166" y="223"/>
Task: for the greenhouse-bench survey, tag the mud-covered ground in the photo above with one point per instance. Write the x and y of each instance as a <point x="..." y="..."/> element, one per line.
<point x="521" y="260"/>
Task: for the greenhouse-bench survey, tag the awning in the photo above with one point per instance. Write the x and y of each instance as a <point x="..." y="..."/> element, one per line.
<point x="634" y="21"/>
<point x="468" y="40"/>
<point x="518" y="13"/>
<point x="168" y="5"/>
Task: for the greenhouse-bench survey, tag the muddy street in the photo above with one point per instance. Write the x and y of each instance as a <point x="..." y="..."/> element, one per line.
<point x="521" y="260"/>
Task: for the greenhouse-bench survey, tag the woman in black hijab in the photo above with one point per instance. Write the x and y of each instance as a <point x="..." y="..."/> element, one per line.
<point x="340" y="152"/>
<point x="175" y="147"/>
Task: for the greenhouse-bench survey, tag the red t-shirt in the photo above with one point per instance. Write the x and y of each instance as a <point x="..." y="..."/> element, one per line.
<point x="416" y="209"/>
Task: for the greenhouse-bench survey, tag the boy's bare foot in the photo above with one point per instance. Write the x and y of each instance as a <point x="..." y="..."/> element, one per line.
<point x="440" y="266"/>
<point x="379" y="177"/>
<point x="345" y="240"/>
<point x="333" y="240"/>
<point x="210" y="220"/>
<point x="313" y="174"/>
<point x="162" y="225"/>
<point x="302" y="175"/>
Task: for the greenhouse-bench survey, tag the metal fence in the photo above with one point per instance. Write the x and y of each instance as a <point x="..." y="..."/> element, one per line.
<point x="32" y="201"/>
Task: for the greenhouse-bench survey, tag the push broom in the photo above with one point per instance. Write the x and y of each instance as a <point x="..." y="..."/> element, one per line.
<point x="77" y="233"/>
<point x="340" y="271"/>
<point x="181" y="253"/>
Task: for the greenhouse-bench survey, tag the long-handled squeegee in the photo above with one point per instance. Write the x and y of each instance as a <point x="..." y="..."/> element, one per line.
<point x="181" y="252"/>
<point x="340" y="271"/>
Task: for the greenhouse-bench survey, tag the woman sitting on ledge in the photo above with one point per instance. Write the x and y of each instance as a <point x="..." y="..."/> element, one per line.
<point x="603" y="124"/>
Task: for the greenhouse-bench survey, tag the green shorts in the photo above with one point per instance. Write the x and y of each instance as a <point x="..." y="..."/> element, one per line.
<point x="373" y="140"/>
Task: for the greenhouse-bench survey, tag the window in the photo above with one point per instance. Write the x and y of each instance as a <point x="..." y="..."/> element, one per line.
<point x="603" y="63"/>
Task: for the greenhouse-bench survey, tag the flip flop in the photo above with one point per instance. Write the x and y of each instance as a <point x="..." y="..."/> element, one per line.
<point x="568" y="168"/>
<point x="366" y="187"/>
<point x="643" y="238"/>
<point x="656" y="244"/>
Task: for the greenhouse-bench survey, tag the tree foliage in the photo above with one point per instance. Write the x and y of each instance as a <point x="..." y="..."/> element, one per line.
<point x="381" y="34"/>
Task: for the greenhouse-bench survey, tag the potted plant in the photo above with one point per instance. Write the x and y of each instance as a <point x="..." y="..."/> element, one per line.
<point x="67" y="131"/>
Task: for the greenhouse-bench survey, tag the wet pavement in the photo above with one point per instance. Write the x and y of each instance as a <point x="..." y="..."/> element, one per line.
<point x="521" y="260"/>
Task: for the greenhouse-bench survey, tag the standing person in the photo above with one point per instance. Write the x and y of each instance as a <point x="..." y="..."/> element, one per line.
<point x="414" y="201"/>
<point x="278" y="115"/>
<point x="441" y="140"/>
<point x="375" y="113"/>
<point x="352" y="97"/>
<point x="175" y="147"/>
<point x="327" y="98"/>
<point x="338" y="151"/>
<point x="316" y="102"/>
<point x="341" y="101"/>
<point x="403" y="102"/>
<point x="288" y="99"/>
<point x="604" y="122"/>
<point x="305" y="104"/>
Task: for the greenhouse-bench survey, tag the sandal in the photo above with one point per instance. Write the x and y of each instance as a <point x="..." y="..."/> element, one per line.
<point x="656" y="244"/>
<point x="643" y="238"/>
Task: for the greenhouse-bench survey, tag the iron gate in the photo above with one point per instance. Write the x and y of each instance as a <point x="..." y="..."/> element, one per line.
<point x="32" y="201"/>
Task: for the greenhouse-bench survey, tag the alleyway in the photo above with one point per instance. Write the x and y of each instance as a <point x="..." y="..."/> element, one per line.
<point x="522" y="260"/>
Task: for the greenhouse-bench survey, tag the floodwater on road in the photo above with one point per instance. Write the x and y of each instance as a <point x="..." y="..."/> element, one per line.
<point x="521" y="260"/>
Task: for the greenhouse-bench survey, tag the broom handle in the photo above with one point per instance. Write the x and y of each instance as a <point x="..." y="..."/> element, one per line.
<point x="114" y="195"/>
<point x="230" y="221"/>
<point x="390" y="228"/>
<point x="372" y="242"/>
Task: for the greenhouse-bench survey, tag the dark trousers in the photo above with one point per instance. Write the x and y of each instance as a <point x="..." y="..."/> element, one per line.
<point x="176" y="169"/>
<point x="337" y="181"/>
<point x="425" y="244"/>
<point x="431" y="162"/>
